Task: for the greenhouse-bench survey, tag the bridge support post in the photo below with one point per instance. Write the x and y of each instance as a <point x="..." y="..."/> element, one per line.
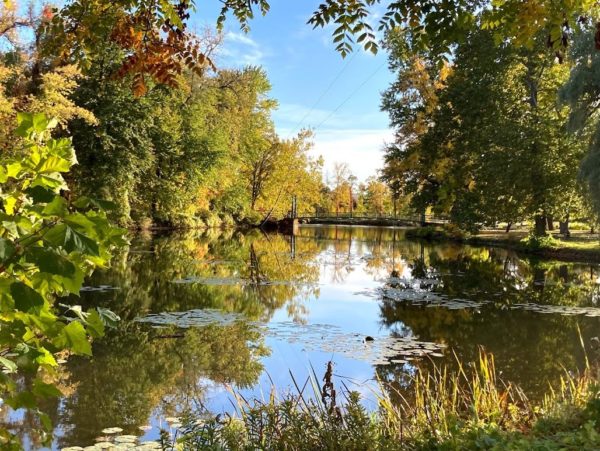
<point x="289" y="226"/>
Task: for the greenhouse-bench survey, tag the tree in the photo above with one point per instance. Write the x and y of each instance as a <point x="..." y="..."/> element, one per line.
<point x="292" y="173"/>
<point x="496" y="108"/>
<point x="341" y="188"/>
<point x="411" y="102"/>
<point x="377" y="197"/>
<point x="581" y="93"/>
<point x="157" y="44"/>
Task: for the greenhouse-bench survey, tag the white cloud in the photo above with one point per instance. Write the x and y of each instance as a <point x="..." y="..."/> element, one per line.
<point x="356" y="139"/>
<point x="242" y="38"/>
<point x="361" y="149"/>
<point x="239" y="49"/>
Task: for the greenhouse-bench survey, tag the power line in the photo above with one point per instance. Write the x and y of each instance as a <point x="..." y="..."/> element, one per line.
<point x="350" y="96"/>
<point x="312" y="108"/>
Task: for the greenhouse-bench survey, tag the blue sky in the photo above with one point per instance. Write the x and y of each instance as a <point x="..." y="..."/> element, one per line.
<point x="301" y="64"/>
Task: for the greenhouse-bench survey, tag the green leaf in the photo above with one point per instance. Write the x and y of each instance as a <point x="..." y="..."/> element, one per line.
<point x="105" y="204"/>
<point x="40" y="194"/>
<point x="95" y="325"/>
<point x="7" y="249"/>
<point x="13" y="169"/>
<point x="46" y="421"/>
<point x="9" y="365"/>
<point x="39" y="122"/>
<point x="81" y="222"/>
<point x="58" y="207"/>
<point x="46" y="181"/>
<point x="75" y="338"/>
<point x="45" y="358"/>
<point x="82" y="202"/>
<point x="44" y="390"/>
<point x="71" y="240"/>
<point x="53" y="164"/>
<point x="22" y="400"/>
<point x="49" y="261"/>
<point x="25" y="121"/>
<point x="26" y="298"/>
<point x="108" y="317"/>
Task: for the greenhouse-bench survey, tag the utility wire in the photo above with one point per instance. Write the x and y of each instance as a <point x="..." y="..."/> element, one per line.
<point x="327" y="89"/>
<point x="350" y="96"/>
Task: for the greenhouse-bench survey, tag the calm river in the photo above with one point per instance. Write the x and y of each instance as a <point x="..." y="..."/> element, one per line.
<point x="203" y="314"/>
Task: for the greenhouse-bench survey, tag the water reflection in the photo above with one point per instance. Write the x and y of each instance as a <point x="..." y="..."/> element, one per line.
<point x="368" y="281"/>
<point x="136" y="371"/>
<point x="145" y="274"/>
<point x="489" y="297"/>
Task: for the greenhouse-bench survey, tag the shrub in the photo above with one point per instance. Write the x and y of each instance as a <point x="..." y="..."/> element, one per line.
<point x="539" y="242"/>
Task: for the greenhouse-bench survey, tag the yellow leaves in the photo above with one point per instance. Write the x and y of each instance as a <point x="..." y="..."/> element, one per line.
<point x="55" y="96"/>
<point x="445" y="72"/>
<point x="8" y="6"/>
<point x="10" y="204"/>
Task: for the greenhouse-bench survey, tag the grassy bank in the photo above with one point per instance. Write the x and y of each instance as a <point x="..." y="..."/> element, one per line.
<point x="579" y="247"/>
<point x="469" y="409"/>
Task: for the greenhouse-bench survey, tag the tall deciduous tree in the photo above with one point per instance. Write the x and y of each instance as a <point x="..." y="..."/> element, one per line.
<point x="489" y="144"/>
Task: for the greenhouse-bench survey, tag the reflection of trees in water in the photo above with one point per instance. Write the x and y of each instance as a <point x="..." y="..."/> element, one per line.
<point x="134" y="372"/>
<point x="26" y="426"/>
<point x="144" y="275"/>
<point x="377" y="250"/>
<point x="530" y="348"/>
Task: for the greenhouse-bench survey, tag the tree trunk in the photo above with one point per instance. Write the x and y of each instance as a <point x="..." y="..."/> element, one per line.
<point x="563" y="227"/>
<point x="550" y="221"/>
<point x="540" y="225"/>
<point x="508" y="226"/>
<point x="351" y="202"/>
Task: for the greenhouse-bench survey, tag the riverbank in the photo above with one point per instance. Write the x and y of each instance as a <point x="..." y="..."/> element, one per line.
<point x="580" y="247"/>
<point x="470" y="409"/>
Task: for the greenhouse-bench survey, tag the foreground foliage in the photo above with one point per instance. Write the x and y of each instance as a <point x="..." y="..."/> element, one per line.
<point x="48" y="243"/>
<point x="466" y="409"/>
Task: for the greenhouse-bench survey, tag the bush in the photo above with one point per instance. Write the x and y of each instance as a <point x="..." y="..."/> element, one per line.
<point x="539" y="242"/>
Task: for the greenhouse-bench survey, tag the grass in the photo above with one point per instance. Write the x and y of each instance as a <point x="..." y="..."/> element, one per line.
<point x="465" y="409"/>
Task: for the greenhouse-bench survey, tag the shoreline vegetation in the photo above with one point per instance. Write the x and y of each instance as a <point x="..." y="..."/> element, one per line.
<point x="580" y="247"/>
<point x="470" y="408"/>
